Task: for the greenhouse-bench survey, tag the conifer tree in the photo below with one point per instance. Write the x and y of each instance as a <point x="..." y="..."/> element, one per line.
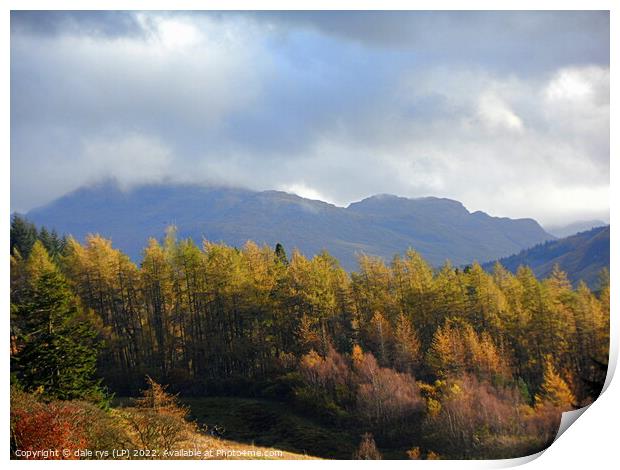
<point x="554" y="390"/>
<point x="23" y="236"/>
<point x="280" y="254"/>
<point x="406" y="345"/>
<point x="58" y="343"/>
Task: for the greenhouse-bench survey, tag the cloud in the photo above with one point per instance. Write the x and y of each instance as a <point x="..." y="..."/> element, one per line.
<point x="92" y="23"/>
<point x="130" y="159"/>
<point x="301" y="189"/>
<point x="505" y="112"/>
<point x="495" y="113"/>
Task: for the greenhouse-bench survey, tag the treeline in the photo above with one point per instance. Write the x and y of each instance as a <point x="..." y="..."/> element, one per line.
<point x="477" y="358"/>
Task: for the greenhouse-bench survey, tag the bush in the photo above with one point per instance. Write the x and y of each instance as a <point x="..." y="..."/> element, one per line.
<point x="367" y="449"/>
<point x="471" y="419"/>
<point x="62" y="425"/>
<point x="156" y="420"/>
<point x="384" y="396"/>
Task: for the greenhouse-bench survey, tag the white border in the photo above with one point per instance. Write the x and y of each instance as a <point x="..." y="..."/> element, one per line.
<point x="591" y="443"/>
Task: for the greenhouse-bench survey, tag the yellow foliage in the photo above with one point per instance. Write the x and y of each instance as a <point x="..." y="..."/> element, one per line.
<point x="414" y="453"/>
<point x="38" y="262"/>
<point x="433" y="406"/>
<point x="554" y="390"/>
<point x="357" y="354"/>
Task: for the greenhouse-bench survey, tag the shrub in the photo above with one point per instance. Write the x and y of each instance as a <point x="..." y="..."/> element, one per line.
<point x="367" y="449"/>
<point x="414" y="453"/>
<point x="55" y="426"/>
<point x="385" y="396"/>
<point x="469" y="417"/>
<point x="157" y="420"/>
<point x="60" y="425"/>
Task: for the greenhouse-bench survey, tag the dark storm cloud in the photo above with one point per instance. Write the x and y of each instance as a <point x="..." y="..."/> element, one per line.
<point x="537" y="40"/>
<point x="94" y="23"/>
<point x="331" y="105"/>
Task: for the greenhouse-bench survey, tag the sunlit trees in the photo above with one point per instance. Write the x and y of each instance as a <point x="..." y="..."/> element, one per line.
<point x="554" y="390"/>
<point x="369" y="347"/>
<point x="458" y="349"/>
<point x="468" y="417"/>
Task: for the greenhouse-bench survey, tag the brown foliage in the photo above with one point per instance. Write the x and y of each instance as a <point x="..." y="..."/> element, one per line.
<point x="57" y="426"/>
<point x="157" y="420"/>
<point x="384" y="395"/>
<point x="324" y="373"/>
<point x="69" y="426"/>
<point x="367" y="449"/>
<point x="471" y="415"/>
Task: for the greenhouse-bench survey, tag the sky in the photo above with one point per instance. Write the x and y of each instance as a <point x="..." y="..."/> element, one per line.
<point x="507" y="112"/>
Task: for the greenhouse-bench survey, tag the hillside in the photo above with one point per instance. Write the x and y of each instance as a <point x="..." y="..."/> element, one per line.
<point x="582" y="256"/>
<point x="382" y="225"/>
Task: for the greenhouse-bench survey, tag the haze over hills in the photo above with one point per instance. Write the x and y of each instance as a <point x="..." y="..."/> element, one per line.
<point x="380" y="225"/>
<point x="582" y="256"/>
<point x="573" y="228"/>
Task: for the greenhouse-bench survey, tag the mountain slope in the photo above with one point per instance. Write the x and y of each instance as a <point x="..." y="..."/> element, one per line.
<point x="582" y="256"/>
<point x="383" y="225"/>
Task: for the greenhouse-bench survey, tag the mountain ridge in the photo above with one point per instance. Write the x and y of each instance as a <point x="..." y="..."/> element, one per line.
<point x="582" y="256"/>
<point x="381" y="225"/>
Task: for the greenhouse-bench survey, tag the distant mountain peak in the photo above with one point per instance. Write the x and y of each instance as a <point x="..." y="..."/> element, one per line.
<point x="391" y="205"/>
<point x="381" y="225"/>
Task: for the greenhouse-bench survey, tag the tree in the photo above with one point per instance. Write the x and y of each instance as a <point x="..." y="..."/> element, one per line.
<point x="554" y="390"/>
<point x="157" y="419"/>
<point x="23" y="236"/>
<point x="406" y="345"/>
<point x="367" y="449"/>
<point x="280" y="254"/>
<point x="385" y="397"/>
<point x="58" y="343"/>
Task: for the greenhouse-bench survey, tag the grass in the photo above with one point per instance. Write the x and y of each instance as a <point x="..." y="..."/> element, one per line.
<point x="271" y="424"/>
<point x="212" y="448"/>
<point x="252" y="436"/>
<point x="265" y="424"/>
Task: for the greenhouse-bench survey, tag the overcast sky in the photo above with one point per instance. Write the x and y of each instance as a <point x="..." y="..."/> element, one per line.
<point x="507" y="112"/>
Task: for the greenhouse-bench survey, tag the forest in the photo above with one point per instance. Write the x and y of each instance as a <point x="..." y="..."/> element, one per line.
<point x="396" y="360"/>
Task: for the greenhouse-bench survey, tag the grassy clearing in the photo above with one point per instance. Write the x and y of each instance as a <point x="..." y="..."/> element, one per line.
<point x="271" y="424"/>
<point x="257" y="426"/>
<point x="267" y="424"/>
<point x="212" y="448"/>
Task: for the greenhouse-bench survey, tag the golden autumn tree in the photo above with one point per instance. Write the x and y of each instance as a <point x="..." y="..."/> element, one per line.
<point x="554" y="390"/>
<point x="406" y="355"/>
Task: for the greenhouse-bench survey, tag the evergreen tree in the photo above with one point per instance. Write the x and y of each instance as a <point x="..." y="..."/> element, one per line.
<point x="280" y="254"/>
<point x="57" y="350"/>
<point x="23" y="236"/>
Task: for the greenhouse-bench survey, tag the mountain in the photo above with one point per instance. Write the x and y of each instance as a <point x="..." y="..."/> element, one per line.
<point x="582" y="256"/>
<point x="562" y="231"/>
<point x="381" y="225"/>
